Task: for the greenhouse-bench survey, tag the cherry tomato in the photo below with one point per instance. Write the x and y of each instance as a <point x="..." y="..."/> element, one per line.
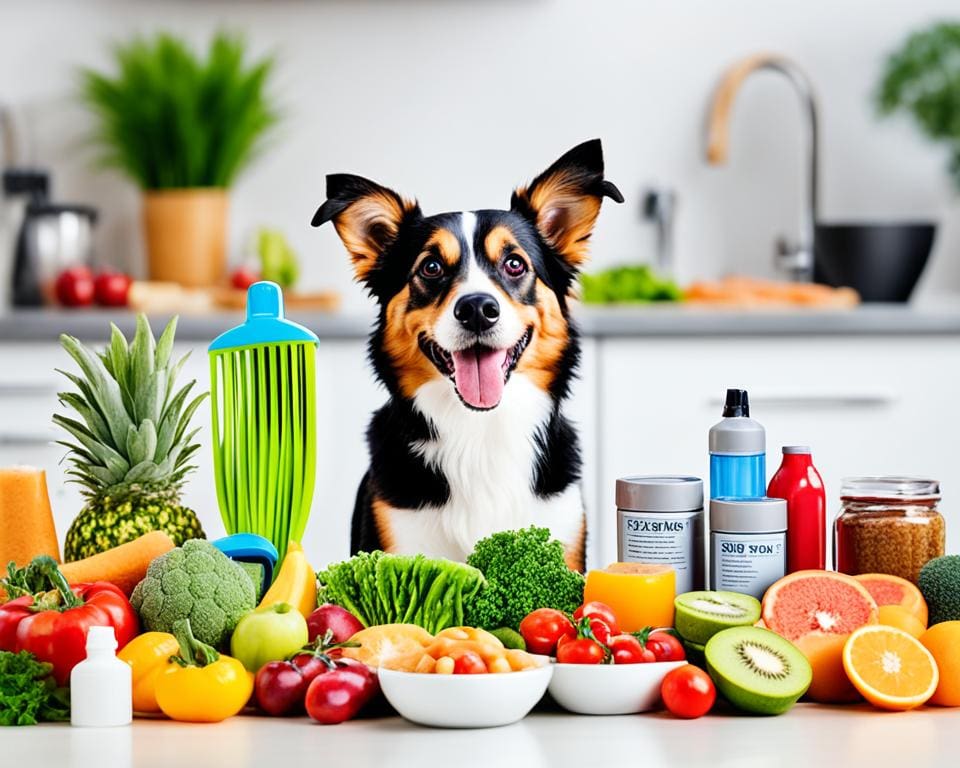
<point x="75" y="287"/>
<point x="665" y="647"/>
<point x="598" y="610"/>
<point x="601" y="630"/>
<point x="626" y="649"/>
<point x="583" y="650"/>
<point x="469" y="663"/>
<point x="111" y="289"/>
<point x="243" y="277"/>
<point x="688" y="691"/>
<point x="543" y="629"/>
<point x="340" y="693"/>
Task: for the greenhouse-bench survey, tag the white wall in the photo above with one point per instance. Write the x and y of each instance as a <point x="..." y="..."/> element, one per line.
<point x="456" y="101"/>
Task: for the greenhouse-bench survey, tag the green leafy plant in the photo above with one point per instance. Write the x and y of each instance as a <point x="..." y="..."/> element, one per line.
<point x="169" y="119"/>
<point x="922" y="78"/>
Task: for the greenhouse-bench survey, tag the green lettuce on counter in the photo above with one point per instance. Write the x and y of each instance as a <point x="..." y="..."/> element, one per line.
<point x="381" y="588"/>
<point x="628" y="284"/>
<point x="28" y="692"/>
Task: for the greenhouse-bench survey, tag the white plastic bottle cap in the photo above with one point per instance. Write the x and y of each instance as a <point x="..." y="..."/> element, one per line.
<point x="101" y="638"/>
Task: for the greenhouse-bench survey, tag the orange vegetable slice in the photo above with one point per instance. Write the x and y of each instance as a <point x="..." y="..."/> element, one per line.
<point x="385" y="641"/>
<point x="890" y="667"/>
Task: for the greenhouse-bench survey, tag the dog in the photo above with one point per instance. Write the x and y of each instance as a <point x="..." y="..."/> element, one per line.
<point x="477" y="349"/>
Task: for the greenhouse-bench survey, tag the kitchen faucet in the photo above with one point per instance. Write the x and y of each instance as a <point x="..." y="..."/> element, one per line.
<point x="795" y="258"/>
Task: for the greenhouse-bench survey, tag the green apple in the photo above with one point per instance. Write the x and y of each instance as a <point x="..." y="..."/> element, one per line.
<point x="268" y="634"/>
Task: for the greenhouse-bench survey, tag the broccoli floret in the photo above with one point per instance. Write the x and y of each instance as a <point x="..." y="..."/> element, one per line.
<point x="940" y="584"/>
<point x="525" y="570"/>
<point x="197" y="582"/>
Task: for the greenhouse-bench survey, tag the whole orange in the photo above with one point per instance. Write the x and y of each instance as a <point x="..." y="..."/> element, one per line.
<point x="899" y="617"/>
<point x="943" y="641"/>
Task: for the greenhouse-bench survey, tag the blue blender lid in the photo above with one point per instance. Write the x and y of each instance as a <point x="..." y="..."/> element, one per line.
<point x="265" y="322"/>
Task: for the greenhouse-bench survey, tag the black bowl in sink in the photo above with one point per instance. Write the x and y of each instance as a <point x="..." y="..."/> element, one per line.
<point x="882" y="262"/>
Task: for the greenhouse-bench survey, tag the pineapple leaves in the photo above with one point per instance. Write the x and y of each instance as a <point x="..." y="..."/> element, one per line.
<point x="141" y="443"/>
<point x="103" y="388"/>
<point x="135" y="423"/>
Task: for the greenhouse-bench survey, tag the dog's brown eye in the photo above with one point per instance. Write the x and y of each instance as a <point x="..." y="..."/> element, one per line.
<point x="431" y="269"/>
<point x="514" y="266"/>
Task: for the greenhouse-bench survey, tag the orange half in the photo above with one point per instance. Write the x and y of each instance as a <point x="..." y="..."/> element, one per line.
<point x="890" y="667"/>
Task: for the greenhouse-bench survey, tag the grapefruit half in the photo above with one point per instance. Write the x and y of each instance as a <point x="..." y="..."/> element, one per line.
<point x="817" y="611"/>
<point x="892" y="590"/>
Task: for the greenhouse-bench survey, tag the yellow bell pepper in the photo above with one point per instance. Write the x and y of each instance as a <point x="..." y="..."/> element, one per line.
<point x="148" y="656"/>
<point x="202" y="685"/>
<point x="296" y="583"/>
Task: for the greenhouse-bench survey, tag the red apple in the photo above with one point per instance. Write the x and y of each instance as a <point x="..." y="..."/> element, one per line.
<point x="111" y="289"/>
<point x="332" y="617"/>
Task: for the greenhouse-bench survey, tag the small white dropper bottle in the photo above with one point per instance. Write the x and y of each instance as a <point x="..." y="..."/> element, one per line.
<point x="101" y="687"/>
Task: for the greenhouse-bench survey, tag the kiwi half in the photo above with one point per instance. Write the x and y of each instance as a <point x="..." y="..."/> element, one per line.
<point x="700" y="615"/>
<point x="757" y="670"/>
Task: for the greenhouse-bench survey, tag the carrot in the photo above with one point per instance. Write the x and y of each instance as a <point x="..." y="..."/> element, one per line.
<point x="26" y="522"/>
<point x="124" y="566"/>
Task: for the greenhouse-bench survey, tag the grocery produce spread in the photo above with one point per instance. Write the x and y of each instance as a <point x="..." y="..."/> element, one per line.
<point x="199" y="631"/>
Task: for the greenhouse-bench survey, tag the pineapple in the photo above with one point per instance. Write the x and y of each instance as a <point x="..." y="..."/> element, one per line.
<point x="132" y="448"/>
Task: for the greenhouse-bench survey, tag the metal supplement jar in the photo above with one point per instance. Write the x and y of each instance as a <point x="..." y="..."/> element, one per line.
<point x="660" y="520"/>
<point x="888" y="525"/>
<point x="748" y="544"/>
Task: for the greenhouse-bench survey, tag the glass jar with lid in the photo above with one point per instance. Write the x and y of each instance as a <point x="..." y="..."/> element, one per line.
<point x="888" y="525"/>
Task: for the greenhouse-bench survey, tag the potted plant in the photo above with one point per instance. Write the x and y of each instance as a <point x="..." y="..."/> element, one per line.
<point x="922" y="78"/>
<point x="182" y="127"/>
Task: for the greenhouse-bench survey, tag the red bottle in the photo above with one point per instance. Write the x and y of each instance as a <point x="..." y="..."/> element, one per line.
<point x="800" y="484"/>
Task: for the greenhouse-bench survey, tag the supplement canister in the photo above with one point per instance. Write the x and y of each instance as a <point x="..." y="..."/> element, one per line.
<point x="748" y="544"/>
<point x="660" y="520"/>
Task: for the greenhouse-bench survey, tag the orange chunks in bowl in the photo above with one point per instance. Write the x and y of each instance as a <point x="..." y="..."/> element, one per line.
<point x="465" y="645"/>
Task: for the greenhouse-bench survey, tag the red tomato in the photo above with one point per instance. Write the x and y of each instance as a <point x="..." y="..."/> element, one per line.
<point x="243" y="277"/>
<point x="469" y="663"/>
<point x="665" y="647"/>
<point x="601" y="630"/>
<point x="688" y="691"/>
<point x="626" y="649"/>
<point x="543" y="629"/>
<point x="75" y="287"/>
<point x="583" y="650"/>
<point x="111" y="289"/>
<point x="597" y="610"/>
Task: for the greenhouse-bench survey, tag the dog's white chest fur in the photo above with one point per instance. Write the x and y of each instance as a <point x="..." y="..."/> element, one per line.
<point x="488" y="459"/>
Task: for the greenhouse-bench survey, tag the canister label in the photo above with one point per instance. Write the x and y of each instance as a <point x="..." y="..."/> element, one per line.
<point x="747" y="563"/>
<point x="674" y="538"/>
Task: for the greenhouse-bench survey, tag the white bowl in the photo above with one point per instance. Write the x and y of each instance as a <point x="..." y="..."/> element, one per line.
<point x="609" y="689"/>
<point x="465" y="701"/>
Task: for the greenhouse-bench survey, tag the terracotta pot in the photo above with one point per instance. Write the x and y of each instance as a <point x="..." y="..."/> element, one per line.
<point x="186" y="234"/>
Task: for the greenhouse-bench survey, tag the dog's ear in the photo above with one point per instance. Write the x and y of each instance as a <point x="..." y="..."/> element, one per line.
<point x="564" y="200"/>
<point x="367" y="217"/>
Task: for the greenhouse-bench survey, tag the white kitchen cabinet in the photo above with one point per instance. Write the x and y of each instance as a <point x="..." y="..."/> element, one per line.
<point x="866" y="405"/>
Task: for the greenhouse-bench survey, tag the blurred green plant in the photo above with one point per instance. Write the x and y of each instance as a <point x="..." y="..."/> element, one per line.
<point x="922" y="78"/>
<point x="627" y="284"/>
<point x="170" y="119"/>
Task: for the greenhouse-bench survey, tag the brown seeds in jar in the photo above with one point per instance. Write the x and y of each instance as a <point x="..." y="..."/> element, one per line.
<point x="880" y="540"/>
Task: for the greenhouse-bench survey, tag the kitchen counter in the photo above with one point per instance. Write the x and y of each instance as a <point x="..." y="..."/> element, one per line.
<point x="808" y="735"/>
<point x="597" y="322"/>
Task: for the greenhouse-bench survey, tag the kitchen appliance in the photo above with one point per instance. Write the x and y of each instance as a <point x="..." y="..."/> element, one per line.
<point x="881" y="261"/>
<point x="52" y="237"/>
<point x="263" y="392"/>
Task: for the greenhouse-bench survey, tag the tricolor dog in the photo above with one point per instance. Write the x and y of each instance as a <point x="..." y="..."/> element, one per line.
<point x="475" y="344"/>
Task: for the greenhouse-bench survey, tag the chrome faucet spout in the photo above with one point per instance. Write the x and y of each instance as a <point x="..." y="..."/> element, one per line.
<point x="795" y="258"/>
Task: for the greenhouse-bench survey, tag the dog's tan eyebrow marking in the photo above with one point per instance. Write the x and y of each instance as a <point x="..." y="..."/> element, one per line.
<point x="443" y="243"/>
<point x="499" y="242"/>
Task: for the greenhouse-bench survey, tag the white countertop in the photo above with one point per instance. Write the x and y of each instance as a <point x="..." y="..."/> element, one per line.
<point x="806" y="737"/>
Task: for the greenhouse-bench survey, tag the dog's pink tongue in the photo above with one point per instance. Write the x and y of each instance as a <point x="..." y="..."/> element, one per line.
<point x="478" y="375"/>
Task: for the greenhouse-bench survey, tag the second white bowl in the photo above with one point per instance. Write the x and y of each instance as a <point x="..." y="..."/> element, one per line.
<point x="609" y="689"/>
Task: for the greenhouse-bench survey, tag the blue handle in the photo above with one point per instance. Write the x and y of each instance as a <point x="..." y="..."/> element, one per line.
<point x="250" y="548"/>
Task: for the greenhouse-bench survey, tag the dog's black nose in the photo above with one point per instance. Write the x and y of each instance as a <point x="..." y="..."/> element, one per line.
<point x="477" y="312"/>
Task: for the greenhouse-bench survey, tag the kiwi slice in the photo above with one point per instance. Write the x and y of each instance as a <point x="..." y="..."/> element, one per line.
<point x="757" y="670"/>
<point x="700" y="615"/>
